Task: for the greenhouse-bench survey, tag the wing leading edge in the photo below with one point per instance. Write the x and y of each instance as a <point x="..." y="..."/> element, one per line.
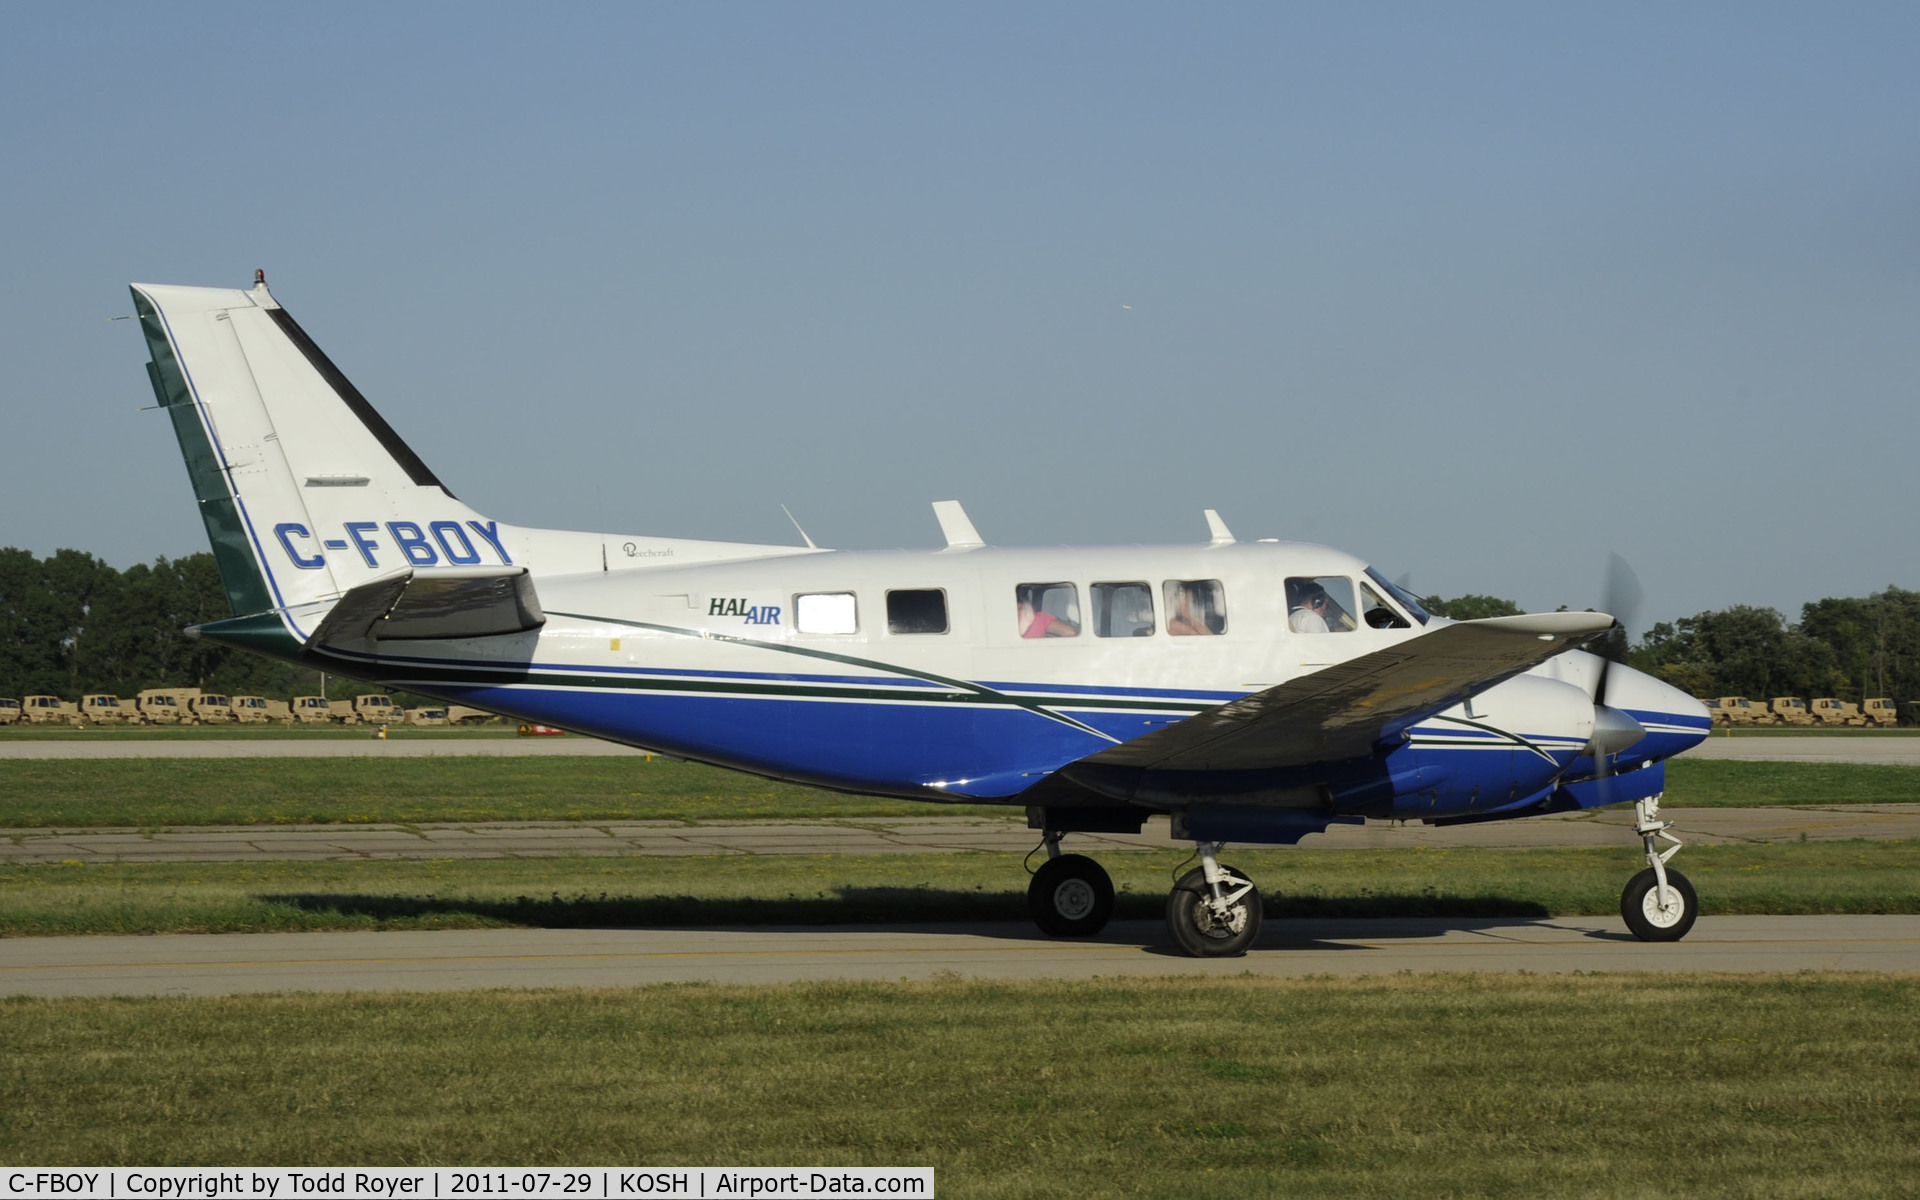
<point x="1343" y="711"/>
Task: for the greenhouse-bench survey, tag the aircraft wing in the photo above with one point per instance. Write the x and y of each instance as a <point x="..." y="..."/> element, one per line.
<point x="450" y="602"/>
<point x="1342" y="712"/>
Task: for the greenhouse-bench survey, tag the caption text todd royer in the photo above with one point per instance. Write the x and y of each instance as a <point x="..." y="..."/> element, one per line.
<point x="454" y="1183"/>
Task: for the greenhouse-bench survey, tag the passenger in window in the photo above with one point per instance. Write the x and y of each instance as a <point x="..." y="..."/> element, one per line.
<point x="1037" y="622"/>
<point x="1189" y="613"/>
<point x="1307" y="606"/>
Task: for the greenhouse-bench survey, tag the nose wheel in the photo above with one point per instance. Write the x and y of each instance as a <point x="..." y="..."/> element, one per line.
<point x="1658" y="905"/>
<point x="1214" y="911"/>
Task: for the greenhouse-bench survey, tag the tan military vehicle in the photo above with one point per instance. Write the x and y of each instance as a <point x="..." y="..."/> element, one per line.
<point x="1880" y="711"/>
<point x="1738" y="710"/>
<point x="312" y="710"/>
<point x="426" y="716"/>
<point x="103" y="709"/>
<point x="258" y="710"/>
<point x="459" y="714"/>
<point x="9" y="710"/>
<point x="1789" y="710"/>
<point x="49" y="710"/>
<point x="1828" y="711"/>
<point x="211" y="708"/>
<point x="167" y="706"/>
<point x="376" y="709"/>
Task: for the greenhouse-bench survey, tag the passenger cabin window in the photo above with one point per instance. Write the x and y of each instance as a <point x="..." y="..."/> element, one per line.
<point x="1320" y="604"/>
<point x="1122" y="610"/>
<point x="921" y="610"/>
<point x="1377" y="613"/>
<point x="1195" y="607"/>
<point x="825" y="612"/>
<point x="1047" y="609"/>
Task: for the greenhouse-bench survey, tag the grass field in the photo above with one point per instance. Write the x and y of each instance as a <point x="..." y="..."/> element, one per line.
<point x="51" y="899"/>
<point x="1803" y="1085"/>
<point x="160" y="792"/>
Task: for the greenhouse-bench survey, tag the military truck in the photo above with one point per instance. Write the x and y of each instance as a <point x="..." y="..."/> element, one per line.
<point x="103" y="709"/>
<point x="211" y="708"/>
<point x="426" y="716"/>
<point x="167" y="706"/>
<point x="258" y="710"/>
<point x="459" y="714"/>
<point x="1880" y="711"/>
<point x="9" y="710"/>
<point x="1738" y="710"/>
<point x="374" y="708"/>
<point x="1789" y="710"/>
<point x="49" y="710"/>
<point x="1828" y="711"/>
<point x="312" y="710"/>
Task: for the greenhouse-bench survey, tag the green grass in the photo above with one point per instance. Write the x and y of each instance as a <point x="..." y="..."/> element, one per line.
<point x="1792" y="1086"/>
<point x="1717" y="783"/>
<point x="137" y="898"/>
<point x="162" y="792"/>
<point x="155" y="792"/>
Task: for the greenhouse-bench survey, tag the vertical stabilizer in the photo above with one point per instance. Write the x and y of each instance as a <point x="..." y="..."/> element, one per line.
<point x="305" y="490"/>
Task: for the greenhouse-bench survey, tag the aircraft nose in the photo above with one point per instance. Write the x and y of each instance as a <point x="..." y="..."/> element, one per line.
<point x="1673" y="720"/>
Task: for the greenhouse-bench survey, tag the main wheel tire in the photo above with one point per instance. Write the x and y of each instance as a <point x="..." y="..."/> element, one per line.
<point x="1192" y="924"/>
<point x="1071" y="896"/>
<point x="1640" y="907"/>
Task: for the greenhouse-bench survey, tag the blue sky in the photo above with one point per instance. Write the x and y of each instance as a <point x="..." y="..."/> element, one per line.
<point x="1480" y="292"/>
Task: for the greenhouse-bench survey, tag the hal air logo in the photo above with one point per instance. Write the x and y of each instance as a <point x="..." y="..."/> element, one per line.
<point x="441" y="542"/>
<point x="737" y="606"/>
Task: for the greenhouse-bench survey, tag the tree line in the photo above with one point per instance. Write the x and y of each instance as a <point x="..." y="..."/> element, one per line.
<point x="71" y="624"/>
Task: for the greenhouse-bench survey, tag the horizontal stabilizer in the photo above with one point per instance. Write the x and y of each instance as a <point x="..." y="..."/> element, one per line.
<point x="421" y="604"/>
<point x="1343" y="711"/>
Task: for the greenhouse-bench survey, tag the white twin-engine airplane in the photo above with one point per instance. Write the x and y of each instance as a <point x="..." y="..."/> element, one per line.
<point x="1254" y="692"/>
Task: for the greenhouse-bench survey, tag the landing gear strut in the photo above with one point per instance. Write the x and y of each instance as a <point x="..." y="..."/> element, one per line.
<point x="1070" y="895"/>
<point x="1658" y="905"/>
<point x="1214" y="911"/>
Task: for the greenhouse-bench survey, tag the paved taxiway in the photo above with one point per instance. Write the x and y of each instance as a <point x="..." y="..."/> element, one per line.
<point x="1890" y="748"/>
<point x="891" y="835"/>
<point x="227" y="964"/>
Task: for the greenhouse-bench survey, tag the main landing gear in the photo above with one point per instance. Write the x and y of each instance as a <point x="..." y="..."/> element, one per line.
<point x="1213" y="912"/>
<point x="1658" y="905"/>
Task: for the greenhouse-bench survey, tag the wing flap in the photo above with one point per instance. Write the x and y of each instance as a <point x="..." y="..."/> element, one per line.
<point x="1343" y="711"/>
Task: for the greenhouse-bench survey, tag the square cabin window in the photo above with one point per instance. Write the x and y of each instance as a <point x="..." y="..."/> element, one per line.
<point x="1196" y="607"/>
<point x="1122" y="610"/>
<point x="825" y="612"/>
<point x="1047" y="610"/>
<point x="919" y="610"/>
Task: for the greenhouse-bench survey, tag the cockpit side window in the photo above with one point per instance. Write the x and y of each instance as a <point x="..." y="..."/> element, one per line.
<point x="1046" y="610"/>
<point x="1400" y="594"/>
<point x="1122" y="610"/>
<point x="1195" y="607"/>
<point x="1320" y="604"/>
<point x="1377" y="613"/>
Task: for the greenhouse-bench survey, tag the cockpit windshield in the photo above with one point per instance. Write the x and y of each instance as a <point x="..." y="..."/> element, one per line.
<point x="1400" y="594"/>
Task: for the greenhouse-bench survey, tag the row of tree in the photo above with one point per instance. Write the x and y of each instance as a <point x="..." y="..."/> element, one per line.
<point x="71" y="624"/>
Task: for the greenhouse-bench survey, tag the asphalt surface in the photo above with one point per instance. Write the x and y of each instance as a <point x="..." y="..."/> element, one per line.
<point x="1892" y="749"/>
<point x="892" y="835"/>
<point x="229" y="964"/>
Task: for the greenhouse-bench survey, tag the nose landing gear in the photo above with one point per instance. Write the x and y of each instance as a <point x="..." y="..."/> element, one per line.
<point x="1658" y="905"/>
<point x="1214" y="911"/>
